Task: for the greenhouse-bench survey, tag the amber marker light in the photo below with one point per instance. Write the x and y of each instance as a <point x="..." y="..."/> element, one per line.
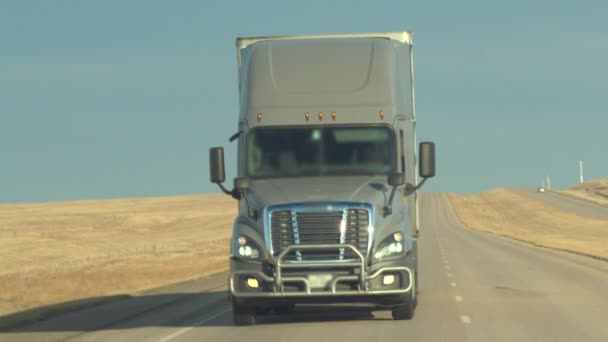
<point x="320" y="116"/>
<point x="259" y="117"/>
<point x="307" y="116"/>
<point x="333" y="116"/>
<point x="381" y="115"/>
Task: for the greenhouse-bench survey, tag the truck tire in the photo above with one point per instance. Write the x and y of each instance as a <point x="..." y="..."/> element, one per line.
<point x="416" y="287"/>
<point x="242" y="315"/>
<point x="405" y="311"/>
<point x="415" y="290"/>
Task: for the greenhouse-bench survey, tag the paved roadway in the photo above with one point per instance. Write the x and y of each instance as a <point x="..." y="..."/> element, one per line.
<point x="474" y="287"/>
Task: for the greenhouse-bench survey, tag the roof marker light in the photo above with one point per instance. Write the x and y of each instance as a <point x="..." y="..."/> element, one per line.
<point x="259" y="117"/>
<point x="333" y="116"/>
<point x="307" y="116"/>
<point x="381" y="115"/>
<point x="321" y="116"/>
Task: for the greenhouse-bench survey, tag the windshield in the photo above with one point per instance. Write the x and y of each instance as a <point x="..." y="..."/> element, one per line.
<point x="310" y="151"/>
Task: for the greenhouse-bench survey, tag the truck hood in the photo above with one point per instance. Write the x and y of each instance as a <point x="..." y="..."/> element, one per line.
<point x="364" y="189"/>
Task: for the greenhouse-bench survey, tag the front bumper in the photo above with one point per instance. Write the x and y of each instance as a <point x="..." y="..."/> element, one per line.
<point x="340" y="280"/>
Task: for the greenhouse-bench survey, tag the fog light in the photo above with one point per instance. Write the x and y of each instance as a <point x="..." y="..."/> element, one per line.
<point x="388" y="279"/>
<point x="253" y="283"/>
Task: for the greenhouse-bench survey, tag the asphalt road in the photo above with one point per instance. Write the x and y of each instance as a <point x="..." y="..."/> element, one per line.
<point x="474" y="287"/>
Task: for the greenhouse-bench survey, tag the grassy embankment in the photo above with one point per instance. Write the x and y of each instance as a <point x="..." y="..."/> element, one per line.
<point x="513" y="214"/>
<point x="57" y="252"/>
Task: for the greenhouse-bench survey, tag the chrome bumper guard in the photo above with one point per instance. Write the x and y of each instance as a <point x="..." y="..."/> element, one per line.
<point x="362" y="278"/>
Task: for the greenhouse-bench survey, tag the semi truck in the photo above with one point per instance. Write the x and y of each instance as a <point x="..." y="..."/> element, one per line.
<point x="328" y="172"/>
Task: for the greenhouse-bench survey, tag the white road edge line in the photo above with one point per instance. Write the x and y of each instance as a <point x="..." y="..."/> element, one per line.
<point x="194" y="325"/>
<point x="458" y="298"/>
<point x="450" y="274"/>
<point x="465" y="319"/>
<point x="453" y="284"/>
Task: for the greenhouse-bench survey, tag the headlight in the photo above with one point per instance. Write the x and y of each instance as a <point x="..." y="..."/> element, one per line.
<point x="247" y="249"/>
<point x="391" y="246"/>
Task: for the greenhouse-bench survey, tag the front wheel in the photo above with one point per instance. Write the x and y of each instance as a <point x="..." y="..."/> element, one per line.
<point x="242" y="315"/>
<point x="415" y="289"/>
<point x="405" y="311"/>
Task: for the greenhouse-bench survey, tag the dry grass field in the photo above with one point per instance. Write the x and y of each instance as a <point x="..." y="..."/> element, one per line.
<point x="56" y="252"/>
<point x="515" y="215"/>
<point x="594" y="191"/>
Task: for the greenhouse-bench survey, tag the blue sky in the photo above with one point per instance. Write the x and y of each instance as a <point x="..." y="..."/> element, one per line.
<point x="102" y="99"/>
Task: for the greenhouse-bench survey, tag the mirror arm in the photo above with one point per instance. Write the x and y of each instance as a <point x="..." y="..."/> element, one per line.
<point x="236" y="194"/>
<point x="252" y="212"/>
<point x="410" y="188"/>
<point x="388" y="208"/>
<point x="224" y="190"/>
<point x="420" y="184"/>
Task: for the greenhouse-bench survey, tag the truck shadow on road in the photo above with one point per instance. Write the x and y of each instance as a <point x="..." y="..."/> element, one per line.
<point x="117" y="312"/>
<point x="317" y="314"/>
<point x="159" y="310"/>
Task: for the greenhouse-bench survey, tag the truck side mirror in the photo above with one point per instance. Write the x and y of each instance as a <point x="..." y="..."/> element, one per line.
<point x="241" y="183"/>
<point x="396" y="179"/>
<point x="427" y="160"/>
<point x="217" y="172"/>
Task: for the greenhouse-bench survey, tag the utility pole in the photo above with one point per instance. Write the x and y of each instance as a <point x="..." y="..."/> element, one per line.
<point x="580" y="170"/>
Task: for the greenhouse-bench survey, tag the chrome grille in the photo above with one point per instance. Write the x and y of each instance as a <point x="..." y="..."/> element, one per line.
<point x="281" y="224"/>
<point x="347" y="226"/>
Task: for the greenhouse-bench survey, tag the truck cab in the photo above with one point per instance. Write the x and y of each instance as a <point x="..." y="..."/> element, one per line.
<point x="328" y="169"/>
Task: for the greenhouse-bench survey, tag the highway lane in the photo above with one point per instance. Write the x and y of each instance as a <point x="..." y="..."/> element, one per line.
<point x="474" y="287"/>
<point x="568" y="203"/>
